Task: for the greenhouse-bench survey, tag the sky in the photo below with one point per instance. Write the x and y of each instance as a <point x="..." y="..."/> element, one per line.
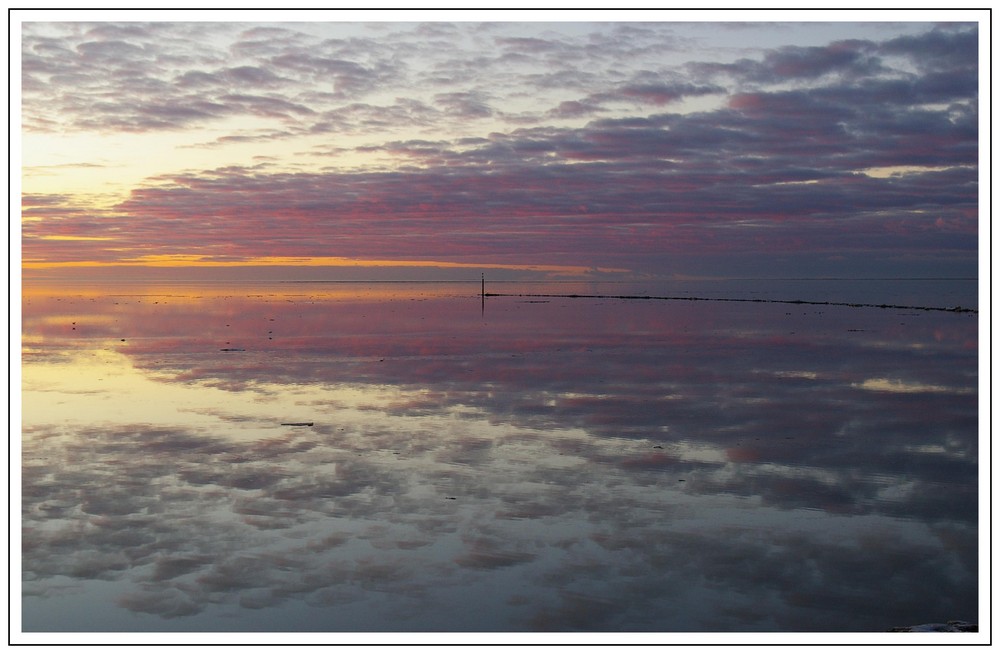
<point x="300" y="144"/>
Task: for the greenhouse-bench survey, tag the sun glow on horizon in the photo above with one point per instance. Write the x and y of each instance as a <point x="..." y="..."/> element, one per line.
<point x="199" y="261"/>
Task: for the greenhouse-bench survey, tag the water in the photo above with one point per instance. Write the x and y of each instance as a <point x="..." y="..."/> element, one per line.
<point x="507" y="464"/>
<point x="923" y="293"/>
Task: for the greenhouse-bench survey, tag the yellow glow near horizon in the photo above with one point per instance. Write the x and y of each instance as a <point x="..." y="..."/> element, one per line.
<point x="882" y="172"/>
<point x="198" y="261"/>
<point x="102" y="169"/>
<point x="58" y="237"/>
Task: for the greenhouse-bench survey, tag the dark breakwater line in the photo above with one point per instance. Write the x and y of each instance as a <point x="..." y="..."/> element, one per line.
<point x="715" y="299"/>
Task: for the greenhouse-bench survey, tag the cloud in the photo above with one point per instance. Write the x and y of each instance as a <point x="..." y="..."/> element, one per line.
<point x="487" y="155"/>
<point x="943" y="48"/>
<point x="467" y="105"/>
<point x="254" y="76"/>
<point x="850" y="60"/>
<point x="574" y="108"/>
<point x="655" y="183"/>
<point x="346" y="78"/>
<point x="899" y="386"/>
<point x="661" y="94"/>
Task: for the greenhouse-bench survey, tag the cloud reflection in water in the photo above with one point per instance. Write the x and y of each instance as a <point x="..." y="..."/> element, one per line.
<point x="577" y="464"/>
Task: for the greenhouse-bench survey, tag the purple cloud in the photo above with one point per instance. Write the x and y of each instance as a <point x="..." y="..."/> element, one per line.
<point x="777" y="159"/>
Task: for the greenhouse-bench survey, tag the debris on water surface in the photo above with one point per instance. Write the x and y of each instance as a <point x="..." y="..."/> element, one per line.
<point x="296" y="424"/>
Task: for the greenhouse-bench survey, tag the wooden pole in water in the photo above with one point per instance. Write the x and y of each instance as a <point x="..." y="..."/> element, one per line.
<point x="483" y="292"/>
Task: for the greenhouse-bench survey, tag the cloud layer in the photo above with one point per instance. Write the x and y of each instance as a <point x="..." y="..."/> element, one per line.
<point x="618" y="145"/>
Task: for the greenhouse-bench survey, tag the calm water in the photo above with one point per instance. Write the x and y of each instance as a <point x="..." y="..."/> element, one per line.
<point x="409" y="458"/>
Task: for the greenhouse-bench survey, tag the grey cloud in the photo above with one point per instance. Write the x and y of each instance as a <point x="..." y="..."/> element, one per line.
<point x="855" y="61"/>
<point x="439" y="30"/>
<point x="530" y="44"/>
<point x="944" y="48"/>
<point x="465" y="104"/>
<point x="259" y="42"/>
<point x="196" y="79"/>
<point x="421" y="149"/>
<point x="562" y="77"/>
<point x="361" y="117"/>
<point x="844" y="58"/>
<point x="44" y="56"/>
<point x="346" y="78"/>
<point x="664" y="93"/>
<point x="796" y="63"/>
<point x="116" y="53"/>
<point x="858" y="76"/>
<point x="46" y="200"/>
<point x="133" y="85"/>
<point x="265" y="105"/>
<point x="123" y="31"/>
<point x="659" y="174"/>
<point x="181" y="113"/>
<point x="253" y="76"/>
<point x="574" y="108"/>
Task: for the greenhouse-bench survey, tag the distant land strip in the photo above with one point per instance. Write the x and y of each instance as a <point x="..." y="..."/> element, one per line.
<point x="719" y="299"/>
